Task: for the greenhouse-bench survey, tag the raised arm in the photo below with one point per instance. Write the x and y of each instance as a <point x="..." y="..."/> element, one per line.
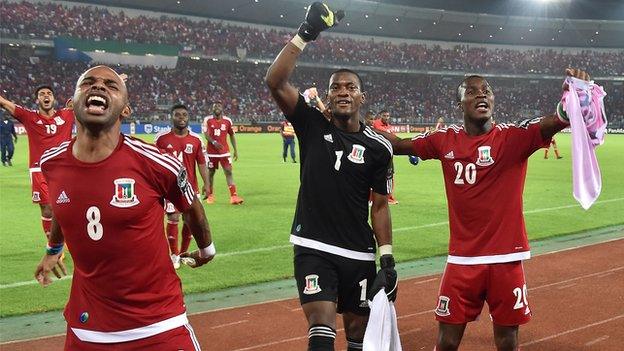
<point x="552" y="124"/>
<point x="399" y="146"/>
<point x="318" y="18"/>
<point x="7" y="105"/>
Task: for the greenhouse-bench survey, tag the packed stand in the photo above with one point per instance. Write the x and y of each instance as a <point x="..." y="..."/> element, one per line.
<point x="212" y="38"/>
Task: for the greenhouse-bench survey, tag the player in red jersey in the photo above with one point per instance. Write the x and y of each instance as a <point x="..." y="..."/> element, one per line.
<point x="553" y="143"/>
<point x="216" y="129"/>
<point x="383" y="123"/>
<point x="125" y="294"/>
<point x="46" y="128"/>
<point x="188" y="148"/>
<point x="484" y="167"/>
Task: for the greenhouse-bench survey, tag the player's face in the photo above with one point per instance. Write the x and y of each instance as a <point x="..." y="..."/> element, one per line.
<point x="385" y="117"/>
<point x="100" y="99"/>
<point x="180" y="118"/>
<point x="217" y="109"/>
<point x="477" y="99"/>
<point x="45" y="99"/>
<point x="345" y="96"/>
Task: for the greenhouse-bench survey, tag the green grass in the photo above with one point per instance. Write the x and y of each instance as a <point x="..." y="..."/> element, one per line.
<point x="269" y="187"/>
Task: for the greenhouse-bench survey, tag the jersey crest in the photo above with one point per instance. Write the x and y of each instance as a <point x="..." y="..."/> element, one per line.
<point x="59" y="121"/>
<point x="357" y="154"/>
<point x="484" y="157"/>
<point x="189" y="148"/>
<point x="124" y="195"/>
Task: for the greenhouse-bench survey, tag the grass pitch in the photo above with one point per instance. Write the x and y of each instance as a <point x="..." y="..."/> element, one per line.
<point x="252" y="239"/>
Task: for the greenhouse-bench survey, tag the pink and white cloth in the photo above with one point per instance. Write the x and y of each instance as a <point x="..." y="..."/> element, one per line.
<point x="583" y="103"/>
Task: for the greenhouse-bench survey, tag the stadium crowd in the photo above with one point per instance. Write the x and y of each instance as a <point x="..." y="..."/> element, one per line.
<point x="213" y="38"/>
<point x="411" y="98"/>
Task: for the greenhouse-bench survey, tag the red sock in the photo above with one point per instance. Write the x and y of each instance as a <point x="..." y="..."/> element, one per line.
<point x="232" y="189"/>
<point x="210" y="190"/>
<point x="172" y="236"/>
<point x="186" y="238"/>
<point x="46" y="223"/>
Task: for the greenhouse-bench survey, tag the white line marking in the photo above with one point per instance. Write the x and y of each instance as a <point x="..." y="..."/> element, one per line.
<point x="414" y="314"/>
<point x="566" y="286"/>
<point x="229" y="324"/>
<point x="572" y="330"/>
<point x="31" y="282"/>
<point x="425" y="281"/>
<point x="278" y="342"/>
<point x="32" y="339"/>
<point x="595" y="341"/>
<point x="576" y="278"/>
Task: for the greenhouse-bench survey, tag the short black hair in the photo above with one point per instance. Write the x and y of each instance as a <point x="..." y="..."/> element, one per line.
<point x="346" y="70"/>
<point x="177" y="106"/>
<point x="41" y="87"/>
<point x="458" y="95"/>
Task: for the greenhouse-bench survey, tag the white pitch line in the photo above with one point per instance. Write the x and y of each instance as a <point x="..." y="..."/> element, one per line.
<point x="31" y="282"/>
<point x="577" y="278"/>
<point x="229" y="324"/>
<point x="595" y="341"/>
<point x="572" y="330"/>
<point x="278" y="247"/>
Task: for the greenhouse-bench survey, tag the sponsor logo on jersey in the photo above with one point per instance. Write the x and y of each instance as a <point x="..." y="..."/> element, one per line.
<point x="328" y="137"/>
<point x="450" y="155"/>
<point x="124" y="195"/>
<point x="36" y="196"/>
<point x="39" y="121"/>
<point x="169" y="146"/>
<point x="223" y="127"/>
<point x="311" y="284"/>
<point x="63" y="198"/>
<point x="484" y="158"/>
<point x="357" y="154"/>
<point x="59" y="121"/>
<point x="443" y="306"/>
<point x="189" y="148"/>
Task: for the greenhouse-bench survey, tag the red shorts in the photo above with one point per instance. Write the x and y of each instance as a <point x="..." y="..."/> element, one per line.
<point x="226" y="162"/>
<point x="39" y="187"/>
<point x="465" y="288"/>
<point x="180" y="338"/>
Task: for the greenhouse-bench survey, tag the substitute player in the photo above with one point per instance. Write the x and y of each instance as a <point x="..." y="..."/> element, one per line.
<point x="188" y="148"/>
<point x="46" y="128"/>
<point x="125" y="295"/>
<point x="383" y="123"/>
<point x="341" y="160"/>
<point x="484" y="167"/>
<point x="216" y="128"/>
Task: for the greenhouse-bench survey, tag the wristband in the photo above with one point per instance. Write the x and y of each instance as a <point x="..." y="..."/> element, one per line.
<point x="53" y="249"/>
<point x="208" y="251"/>
<point x="385" y="250"/>
<point x="563" y="116"/>
<point x="298" y="42"/>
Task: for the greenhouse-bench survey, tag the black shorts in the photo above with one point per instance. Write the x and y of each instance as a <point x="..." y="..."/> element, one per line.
<point x="322" y="276"/>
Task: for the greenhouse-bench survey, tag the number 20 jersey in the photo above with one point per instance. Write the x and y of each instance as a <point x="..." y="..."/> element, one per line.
<point x="484" y="180"/>
<point x="111" y="214"/>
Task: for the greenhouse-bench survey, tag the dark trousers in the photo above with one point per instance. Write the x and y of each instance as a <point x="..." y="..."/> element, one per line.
<point x="7" y="148"/>
<point x="289" y="142"/>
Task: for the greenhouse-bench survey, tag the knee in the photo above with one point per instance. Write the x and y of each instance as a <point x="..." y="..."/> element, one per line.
<point x="448" y="342"/>
<point x="46" y="211"/>
<point x="355" y="330"/>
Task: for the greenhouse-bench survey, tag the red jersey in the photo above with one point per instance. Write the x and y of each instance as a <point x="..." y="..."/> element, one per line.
<point x="484" y="180"/>
<point x="384" y="127"/>
<point x="111" y="213"/>
<point x="43" y="132"/>
<point x="218" y="129"/>
<point x="188" y="149"/>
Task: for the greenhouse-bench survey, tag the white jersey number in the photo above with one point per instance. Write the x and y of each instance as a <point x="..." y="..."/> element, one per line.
<point x="469" y="173"/>
<point x="521" y="297"/>
<point x="363" y="285"/>
<point x="50" y="128"/>
<point x="94" y="227"/>
<point x="217" y="132"/>
<point x="338" y="159"/>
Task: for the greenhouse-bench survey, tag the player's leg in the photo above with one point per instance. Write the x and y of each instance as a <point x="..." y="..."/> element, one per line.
<point x="556" y="149"/>
<point x="4" y="152"/>
<point x="317" y="283"/>
<point x="186" y="238"/>
<point x="292" y="150"/>
<point x="10" y="152"/>
<point x="212" y="165"/>
<point x="460" y="300"/>
<point x="173" y="217"/>
<point x="508" y="302"/>
<point x="284" y="148"/>
<point x="226" y="163"/>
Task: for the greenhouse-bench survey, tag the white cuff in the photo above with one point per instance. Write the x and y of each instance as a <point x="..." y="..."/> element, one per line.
<point x="385" y="250"/>
<point x="208" y="251"/>
<point x="298" y="42"/>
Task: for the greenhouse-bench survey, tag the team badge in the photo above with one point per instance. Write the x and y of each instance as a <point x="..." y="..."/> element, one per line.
<point x="223" y="127"/>
<point x="485" y="157"/>
<point x="124" y="193"/>
<point x="312" y="284"/>
<point x="443" y="306"/>
<point x="36" y="196"/>
<point x="189" y="148"/>
<point x="59" y="121"/>
<point x="357" y="154"/>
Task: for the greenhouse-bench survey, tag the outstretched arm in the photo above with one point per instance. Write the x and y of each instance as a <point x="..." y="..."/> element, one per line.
<point x="399" y="146"/>
<point x="7" y="105"/>
<point x="552" y="124"/>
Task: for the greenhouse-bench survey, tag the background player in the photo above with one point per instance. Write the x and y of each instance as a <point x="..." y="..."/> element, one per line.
<point x="216" y="128"/>
<point x="188" y="148"/>
<point x="484" y="167"/>
<point x="440" y="124"/>
<point x="341" y="160"/>
<point x="552" y="143"/>
<point x="46" y="128"/>
<point x="7" y="137"/>
<point x="288" y="140"/>
<point x="125" y="294"/>
<point x="383" y="123"/>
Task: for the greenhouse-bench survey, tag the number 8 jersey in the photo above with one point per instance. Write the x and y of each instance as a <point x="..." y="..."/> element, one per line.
<point x="484" y="180"/>
<point x="111" y="214"/>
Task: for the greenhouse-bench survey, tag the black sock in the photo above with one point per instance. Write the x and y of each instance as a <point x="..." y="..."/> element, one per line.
<point x="321" y="338"/>
<point x="354" y="345"/>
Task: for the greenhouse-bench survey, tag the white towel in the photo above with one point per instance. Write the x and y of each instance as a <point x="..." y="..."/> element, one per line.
<point x="382" y="331"/>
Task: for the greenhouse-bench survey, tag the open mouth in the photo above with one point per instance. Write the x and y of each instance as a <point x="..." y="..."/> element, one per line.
<point x="96" y="104"/>
<point x="343" y="103"/>
<point x="46" y="101"/>
<point x="482" y="106"/>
